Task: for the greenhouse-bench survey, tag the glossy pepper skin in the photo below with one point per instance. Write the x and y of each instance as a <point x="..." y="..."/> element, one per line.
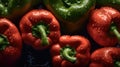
<point x="10" y="43"/>
<point x="104" y="26"/>
<point x="39" y="29"/>
<point x="105" y="57"/>
<point x="111" y="3"/>
<point x="72" y="13"/>
<point x="12" y="8"/>
<point x="71" y="51"/>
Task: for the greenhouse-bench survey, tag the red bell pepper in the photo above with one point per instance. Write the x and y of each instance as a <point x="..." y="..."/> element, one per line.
<point x="39" y="29"/>
<point x="104" y="26"/>
<point x="106" y="57"/>
<point x="10" y="43"/>
<point x="71" y="51"/>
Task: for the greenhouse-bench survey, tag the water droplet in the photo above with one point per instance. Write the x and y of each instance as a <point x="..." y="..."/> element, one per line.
<point x="98" y="30"/>
<point x="54" y="26"/>
<point x="93" y="25"/>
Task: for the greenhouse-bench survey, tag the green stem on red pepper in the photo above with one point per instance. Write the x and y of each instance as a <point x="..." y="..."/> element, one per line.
<point x="68" y="53"/>
<point x="117" y="64"/>
<point x="115" y="31"/>
<point x="41" y="31"/>
<point x="3" y="42"/>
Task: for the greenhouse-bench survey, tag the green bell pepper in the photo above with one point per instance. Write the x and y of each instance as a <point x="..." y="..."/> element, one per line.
<point x="71" y="12"/>
<point x="14" y="8"/>
<point x="112" y="3"/>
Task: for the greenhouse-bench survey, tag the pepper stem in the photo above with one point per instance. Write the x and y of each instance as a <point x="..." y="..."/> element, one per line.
<point x="68" y="53"/>
<point x="41" y="31"/>
<point x="115" y="31"/>
<point x="3" y="42"/>
<point x="117" y="64"/>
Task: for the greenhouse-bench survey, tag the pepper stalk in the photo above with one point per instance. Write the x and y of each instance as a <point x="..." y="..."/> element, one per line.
<point x="41" y="31"/>
<point x="115" y="31"/>
<point x="68" y="53"/>
<point x="117" y="64"/>
<point x="3" y="42"/>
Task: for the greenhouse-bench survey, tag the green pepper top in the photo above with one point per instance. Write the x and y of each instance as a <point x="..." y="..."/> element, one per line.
<point x="111" y="3"/>
<point x="69" y="10"/>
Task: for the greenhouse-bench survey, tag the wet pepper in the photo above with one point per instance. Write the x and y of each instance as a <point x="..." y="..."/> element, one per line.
<point x="12" y="8"/>
<point x="72" y="13"/>
<point x="39" y="29"/>
<point x="10" y="43"/>
<point x="104" y="26"/>
<point x="106" y="57"/>
<point x="71" y="51"/>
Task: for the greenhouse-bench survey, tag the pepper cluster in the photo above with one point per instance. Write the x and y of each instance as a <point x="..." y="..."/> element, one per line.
<point x="77" y="33"/>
